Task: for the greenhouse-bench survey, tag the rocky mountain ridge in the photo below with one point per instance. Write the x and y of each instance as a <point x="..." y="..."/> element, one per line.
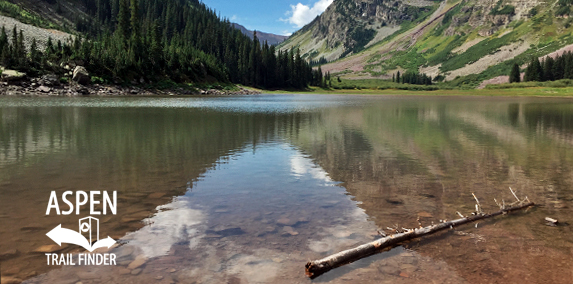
<point x="347" y="26"/>
<point x="464" y="42"/>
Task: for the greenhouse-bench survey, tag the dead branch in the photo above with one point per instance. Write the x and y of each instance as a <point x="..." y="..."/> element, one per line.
<point x="318" y="267"/>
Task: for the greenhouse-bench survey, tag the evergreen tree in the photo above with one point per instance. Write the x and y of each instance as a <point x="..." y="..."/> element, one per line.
<point x="156" y="46"/>
<point x="49" y="47"/>
<point x="299" y="71"/>
<point x="535" y="71"/>
<point x="548" y="69"/>
<point x="123" y="20"/>
<point x="398" y="77"/>
<point x="3" y="38"/>
<point x="6" y="56"/>
<point x="559" y="67"/>
<point x="21" y="47"/>
<point x="568" y="73"/>
<point x="134" y="20"/>
<point x="14" y="52"/>
<point x="515" y="75"/>
<point x="34" y="54"/>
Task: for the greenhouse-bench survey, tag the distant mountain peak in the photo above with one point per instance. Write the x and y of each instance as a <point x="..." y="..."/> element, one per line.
<point x="272" y="39"/>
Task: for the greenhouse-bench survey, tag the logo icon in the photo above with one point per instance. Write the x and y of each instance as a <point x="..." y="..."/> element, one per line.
<point x="86" y="226"/>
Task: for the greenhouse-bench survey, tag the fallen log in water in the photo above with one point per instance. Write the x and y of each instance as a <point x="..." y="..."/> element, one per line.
<point x="318" y="267"/>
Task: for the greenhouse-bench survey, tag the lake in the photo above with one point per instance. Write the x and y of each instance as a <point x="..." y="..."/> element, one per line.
<point x="247" y="189"/>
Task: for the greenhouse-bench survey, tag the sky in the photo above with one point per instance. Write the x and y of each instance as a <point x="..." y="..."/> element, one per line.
<point x="282" y="17"/>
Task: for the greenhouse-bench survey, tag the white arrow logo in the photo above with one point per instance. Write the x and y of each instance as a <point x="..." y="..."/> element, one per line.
<point x="62" y="235"/>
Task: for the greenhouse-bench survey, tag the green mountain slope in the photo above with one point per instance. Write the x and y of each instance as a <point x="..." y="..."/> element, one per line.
<point x="463" y="42"/>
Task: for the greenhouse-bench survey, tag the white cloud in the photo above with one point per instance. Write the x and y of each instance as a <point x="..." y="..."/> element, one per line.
<point x="302" y="165"/>
<point x="301" y="14"/>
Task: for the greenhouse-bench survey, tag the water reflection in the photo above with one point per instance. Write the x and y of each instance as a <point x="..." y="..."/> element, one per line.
<point x="175" y="222"/>
<point x="229" y="187"/>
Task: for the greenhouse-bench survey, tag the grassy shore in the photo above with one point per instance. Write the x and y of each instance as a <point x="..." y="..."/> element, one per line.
<point x="517" y="92"/>
<point x="381" y="87"/>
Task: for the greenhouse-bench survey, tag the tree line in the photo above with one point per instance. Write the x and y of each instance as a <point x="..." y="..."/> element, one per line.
<point x="321" y="79"/>
<point x="548" y="69"/>
<point x="412" y="78"/>
<point x="183" y="41"/>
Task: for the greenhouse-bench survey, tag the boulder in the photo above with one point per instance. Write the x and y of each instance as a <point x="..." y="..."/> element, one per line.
<point x="49" y="80"/>
<point x="44" y="89"/>
<point x="81" y="75"/>
<point x="83" y="91"/>
<point x="12" y="75"/>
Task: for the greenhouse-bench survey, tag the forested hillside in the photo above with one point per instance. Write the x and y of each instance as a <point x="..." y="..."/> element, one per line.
<point x="179" y="40"/>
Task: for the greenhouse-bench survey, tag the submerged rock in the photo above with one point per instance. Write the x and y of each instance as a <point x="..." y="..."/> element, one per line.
<point x="138" y="262"/>
<point x="11" y="271"/>
<point x="284" y="221"/>
<point x="88" y="275"/>
<point x="389" y="270"/>
<point x="49" y="249"/>
<point x="225" y="232"/>
<point x="290" y="231"/>
<point x="136" y="271"/>
<point x="9" y="254"/>
<point x="156" y="195"/>
<point x="425" y="214"/>
<point x="10" y="280"/>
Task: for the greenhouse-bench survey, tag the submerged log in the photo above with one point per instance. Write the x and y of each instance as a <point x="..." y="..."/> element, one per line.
<point x="318" y="267"/>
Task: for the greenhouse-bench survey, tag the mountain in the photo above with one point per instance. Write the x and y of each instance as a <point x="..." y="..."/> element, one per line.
<point x="347" y="26"/>
<point x="462" y="42"/>
<point x="271" y="39"/>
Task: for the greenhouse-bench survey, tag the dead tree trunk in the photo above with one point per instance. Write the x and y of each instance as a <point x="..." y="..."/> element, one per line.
<point x="318" y="267"/>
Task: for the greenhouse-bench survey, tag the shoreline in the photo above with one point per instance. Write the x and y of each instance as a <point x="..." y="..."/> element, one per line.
<point x="45" y="87"/>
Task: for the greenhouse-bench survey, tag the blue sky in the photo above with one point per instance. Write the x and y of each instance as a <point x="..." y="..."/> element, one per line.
<point x="272" y="16"/>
